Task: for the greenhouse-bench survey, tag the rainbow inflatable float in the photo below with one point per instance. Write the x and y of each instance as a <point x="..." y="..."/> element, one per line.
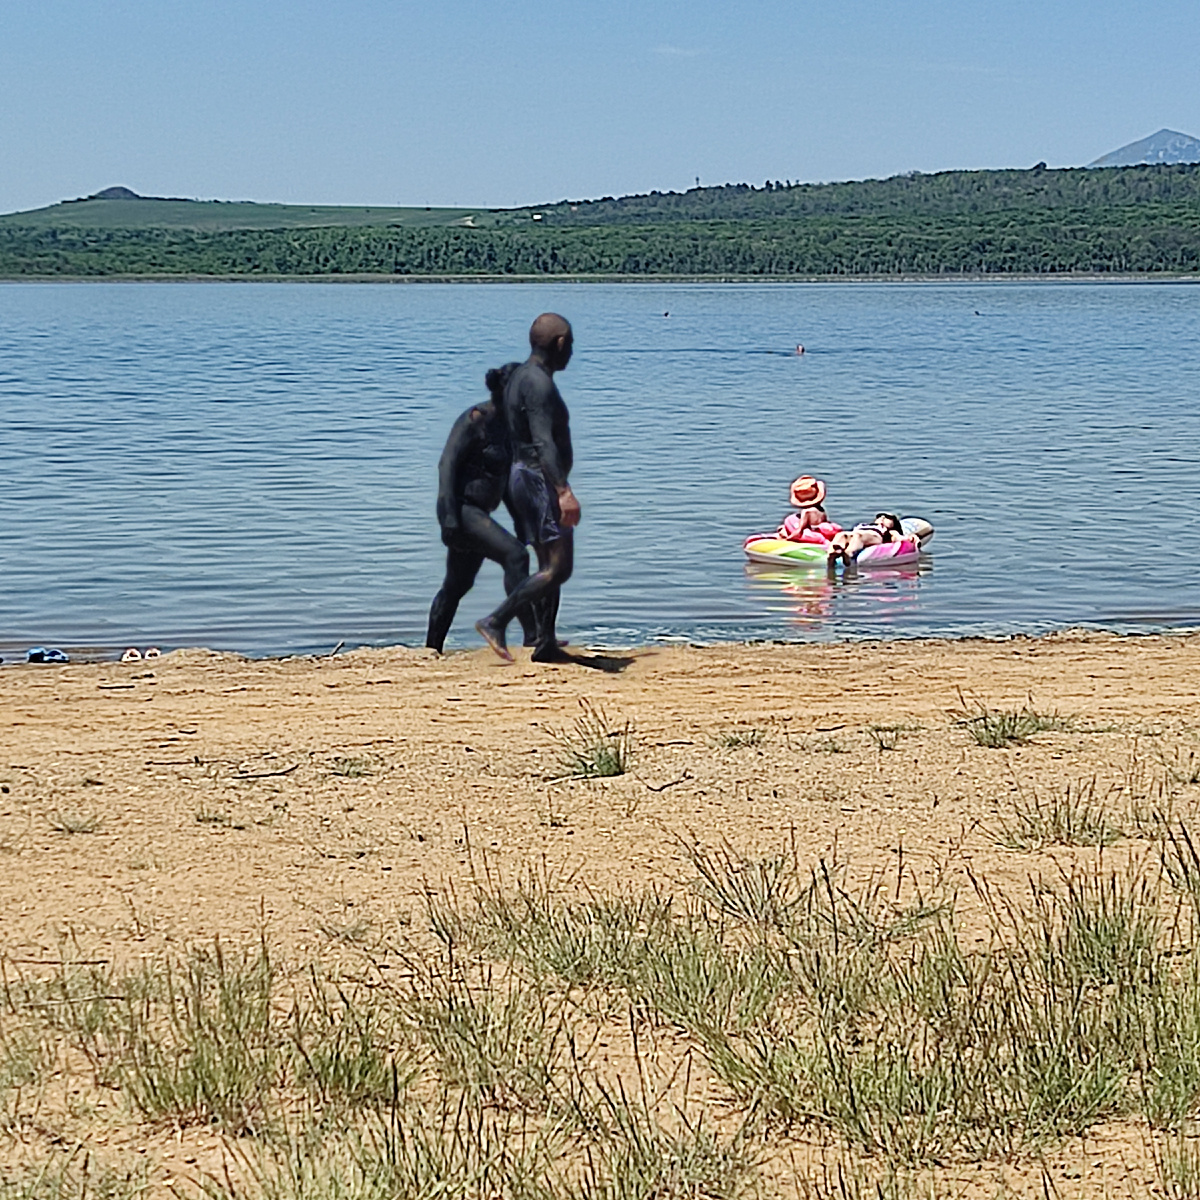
<point x="782" y="552"/>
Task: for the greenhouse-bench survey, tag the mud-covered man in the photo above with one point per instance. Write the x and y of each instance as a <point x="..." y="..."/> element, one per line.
<point x="543" y="506"/>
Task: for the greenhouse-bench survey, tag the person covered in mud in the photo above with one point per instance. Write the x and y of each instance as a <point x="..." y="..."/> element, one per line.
<point x="545" y="510"/>
<point x="472" y="479"/>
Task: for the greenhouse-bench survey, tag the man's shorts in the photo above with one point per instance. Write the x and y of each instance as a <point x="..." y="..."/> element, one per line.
<point x="534" y="506"/>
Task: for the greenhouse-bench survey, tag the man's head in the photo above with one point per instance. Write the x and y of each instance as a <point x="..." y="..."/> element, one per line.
<point x="550" y="337"/>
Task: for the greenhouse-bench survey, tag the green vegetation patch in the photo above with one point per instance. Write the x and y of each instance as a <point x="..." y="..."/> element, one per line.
<point x="219" y="215"/>
<point x="1155" y="237"/>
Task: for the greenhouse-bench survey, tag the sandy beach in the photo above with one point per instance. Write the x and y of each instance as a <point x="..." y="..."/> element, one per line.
<point x="318" y="804"/>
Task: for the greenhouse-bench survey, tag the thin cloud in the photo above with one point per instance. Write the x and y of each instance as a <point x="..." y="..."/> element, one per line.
<point x="679" y="51"/>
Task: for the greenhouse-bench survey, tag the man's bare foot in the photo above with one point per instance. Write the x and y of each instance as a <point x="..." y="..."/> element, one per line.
<point x="550" y="654"/>
<point x="494" y="636"/>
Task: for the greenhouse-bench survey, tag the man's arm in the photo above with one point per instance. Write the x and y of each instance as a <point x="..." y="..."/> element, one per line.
<point x="541" y="401"/>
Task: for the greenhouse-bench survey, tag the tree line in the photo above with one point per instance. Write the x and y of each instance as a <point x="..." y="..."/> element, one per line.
<point x="1151" y="236"/>
<point x="945" y="193"/>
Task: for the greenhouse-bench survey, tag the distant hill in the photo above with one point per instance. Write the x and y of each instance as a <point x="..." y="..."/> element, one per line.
<point x="121" y="193"/>
<point x="913" y="195"/>
<point x="120" y="208"/>
<point x="1165" y="146"/>
<point x="1037" y="221"/>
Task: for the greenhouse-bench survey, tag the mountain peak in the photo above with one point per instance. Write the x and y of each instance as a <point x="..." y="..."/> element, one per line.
<point x="1165" y="146"/>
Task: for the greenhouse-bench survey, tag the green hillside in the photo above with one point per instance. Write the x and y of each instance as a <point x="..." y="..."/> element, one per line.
<point x="1140" y="220"/>
<point x="914" y="195"/>
<point x="1146" y="239"/>
<point x="219" y="215"/>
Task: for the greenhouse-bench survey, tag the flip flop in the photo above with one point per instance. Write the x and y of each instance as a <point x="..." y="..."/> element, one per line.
<point x="133" y="654"/>
<point x="153" y="652"/>
<point x="40" y="654"/>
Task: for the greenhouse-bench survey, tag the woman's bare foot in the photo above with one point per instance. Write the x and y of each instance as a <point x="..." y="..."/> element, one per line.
<point x="494" y="636"/>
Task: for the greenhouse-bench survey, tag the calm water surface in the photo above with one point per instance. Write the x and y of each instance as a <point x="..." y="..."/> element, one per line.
<point x="253" y="466"/>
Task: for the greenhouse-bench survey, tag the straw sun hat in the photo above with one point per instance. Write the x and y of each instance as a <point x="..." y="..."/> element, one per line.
<point x="807" y="491"/>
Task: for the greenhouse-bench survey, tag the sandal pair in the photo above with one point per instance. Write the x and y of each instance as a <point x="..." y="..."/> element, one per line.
<point x="133" y="654"/>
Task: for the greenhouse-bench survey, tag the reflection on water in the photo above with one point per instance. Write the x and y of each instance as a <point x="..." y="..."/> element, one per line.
<point x="805" y="597"/>
<point x="809" y="598"/>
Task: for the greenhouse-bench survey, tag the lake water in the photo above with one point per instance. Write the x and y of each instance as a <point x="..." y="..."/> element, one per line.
<point x="253" y="466"/>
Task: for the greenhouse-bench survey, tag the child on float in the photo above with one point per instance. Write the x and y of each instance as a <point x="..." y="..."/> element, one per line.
<point x="811" y="523"/>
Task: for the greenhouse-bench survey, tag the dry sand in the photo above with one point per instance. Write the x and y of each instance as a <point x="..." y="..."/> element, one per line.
<point x="157" y="805"/>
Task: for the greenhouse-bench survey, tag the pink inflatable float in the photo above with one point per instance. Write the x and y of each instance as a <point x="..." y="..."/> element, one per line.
<point x="810" y="548"/>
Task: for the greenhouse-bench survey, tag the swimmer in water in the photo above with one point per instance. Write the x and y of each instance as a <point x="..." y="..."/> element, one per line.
<point x="799" y="349"/>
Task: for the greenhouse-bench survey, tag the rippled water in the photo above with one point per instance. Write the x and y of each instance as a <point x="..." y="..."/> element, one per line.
<point x="252" y="466"/>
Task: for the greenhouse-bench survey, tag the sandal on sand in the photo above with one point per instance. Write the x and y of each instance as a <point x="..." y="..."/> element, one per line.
<point x="133" y="654"/>
<point x="39" y="654"/>
<point x="153" y="652"/>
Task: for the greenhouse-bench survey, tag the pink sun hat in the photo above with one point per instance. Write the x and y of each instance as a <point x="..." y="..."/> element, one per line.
<point x="807" y="492"/>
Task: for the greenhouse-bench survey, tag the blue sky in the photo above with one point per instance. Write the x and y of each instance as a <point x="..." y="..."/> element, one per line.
<point x="461" y="102"/>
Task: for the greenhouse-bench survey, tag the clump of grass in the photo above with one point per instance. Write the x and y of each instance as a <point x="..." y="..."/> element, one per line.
<point x="348" y="933"/>
<point x="887" y="737"/>
<point x="758" y="890"/>
<point x="191" y="1042"/>
<point x="913" y="1050"/>
<point x="444" y="1147"/>
<point x="71" y="823"/>
<point x="1070" y="817"/>
<point x="596" y="747"/>
<point x="351" y="768"/>
<point x="1182" y="765"/>
<point x="1180" y="857"/>
<point x="828" y="746"/>
<point x="1099" y="929"/>
<point x="505" y="1043"/>
<point x="24" y="1060"/>
<point x="740" y="739"/>
<point x="74" y="1175"/>
<point x="588" y="943"/>
<point x="354" y="1051"/>
<point x="1178" y="1162"/>
<point x="637" y="1156"/>
<point x="999" y="728"/>
<point x="853" y="1180"/>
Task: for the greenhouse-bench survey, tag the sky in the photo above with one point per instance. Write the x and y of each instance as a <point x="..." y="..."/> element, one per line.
<point x="484" y="104"/>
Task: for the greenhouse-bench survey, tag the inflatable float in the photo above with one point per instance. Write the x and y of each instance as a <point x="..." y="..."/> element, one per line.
<point x="783" y="552"/>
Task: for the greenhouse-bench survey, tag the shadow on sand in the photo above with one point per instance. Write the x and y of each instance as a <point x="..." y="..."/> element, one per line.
<point x="610" y="663"/>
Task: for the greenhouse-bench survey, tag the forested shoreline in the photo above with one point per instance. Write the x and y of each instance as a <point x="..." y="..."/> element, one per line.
<point x="1137" y="220"/>
<point x="1159" y="238"/>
